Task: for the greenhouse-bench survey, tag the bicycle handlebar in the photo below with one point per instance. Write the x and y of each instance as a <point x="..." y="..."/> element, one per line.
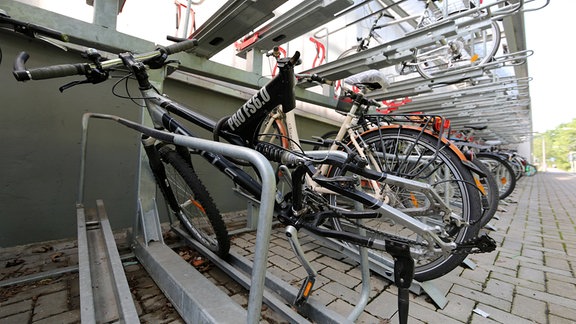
<point x="56" y="71"/>
<point x="21" y="73"/>
<point x="315" y="78"/>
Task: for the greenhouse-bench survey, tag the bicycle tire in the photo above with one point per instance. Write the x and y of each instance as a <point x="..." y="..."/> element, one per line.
<point x="490" y="195"/>
<point x="197" y="212"/>
<point x="502" y="171"/>
<point x="464" y="196"/>
<point x="531" y="169"/>
<point x="429" y="69"/>
<point x="518" y="167"/>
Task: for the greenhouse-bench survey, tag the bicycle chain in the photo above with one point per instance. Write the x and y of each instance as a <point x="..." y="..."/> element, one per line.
<point x="479" y="244"/>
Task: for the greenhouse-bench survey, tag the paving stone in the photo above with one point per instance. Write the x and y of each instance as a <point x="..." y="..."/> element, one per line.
<point x="517" y="281"/>
<point x="559" y="320"/>
<point x="479" y="274"/>
<point x="17" y="318"/>
<point x="345" y="309"/>
<point x="546" y="297"/>
<point x="334" y="263"/>
<point x="286" y="276"/>
<point x="340" y="291"/>
<point x="532" y="309"/>
<point x="15" y="308"/>
<point x="554" y="276"/>
<point x="500" y="316"/>
<point x="322" y="297"/>
<point x="68" y="317"/>
<point x="384" y="305"/>
<point x="560" y="288"/>
<point x="561" y="311"/>
<point x="50" y="304"/>
<point x="482" y="297"/>
<point x="499" y="289"/>
<point x="283" y="263"/>
<point x="340" y="277"/>
<point x="528" y="273"/>
<point x="35" y="289"/>
<point x="458" y="307"/>
<point x="429" y="316"/>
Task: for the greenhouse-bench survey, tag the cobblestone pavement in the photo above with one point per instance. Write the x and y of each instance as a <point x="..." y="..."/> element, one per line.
<point x="530" y="278"/>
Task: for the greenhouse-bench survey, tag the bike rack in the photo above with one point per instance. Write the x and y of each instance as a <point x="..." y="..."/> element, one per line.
<point x="296" y="22"/>
<point x="402" y="49"/>
<point x="105" y="293"/>
<point x="180" y="282"/>
<point x="232" y="21"/>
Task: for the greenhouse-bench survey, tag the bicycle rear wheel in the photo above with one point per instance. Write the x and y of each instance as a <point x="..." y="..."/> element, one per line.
<point x="193" y="205"/>
<point x="415" y="155"/>
<point x="502" y="171"/>
<point x="488" y="192"/>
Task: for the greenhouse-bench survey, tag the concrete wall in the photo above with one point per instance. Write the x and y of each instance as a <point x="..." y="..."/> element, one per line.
<point x="41" y="131"/>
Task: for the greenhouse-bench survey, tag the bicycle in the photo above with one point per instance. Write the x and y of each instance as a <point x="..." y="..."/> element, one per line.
<point x="426" y="158"/>
<point x="487" y="180"/>
<point x="300" y="208"/>
<point x="471" y="46"/>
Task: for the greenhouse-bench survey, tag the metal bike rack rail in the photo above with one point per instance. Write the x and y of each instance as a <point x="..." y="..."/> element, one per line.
<point x="296" y="22"/>
<point x="375" y="263"/>
<point x="105" y="295"/>
<point x="232" y="21"/>
<point x="402" y="49"/>
<point x="193" y="295"/>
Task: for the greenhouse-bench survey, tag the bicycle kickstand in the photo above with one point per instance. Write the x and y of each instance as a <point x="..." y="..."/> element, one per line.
<point x="403" y="275"/>
<point x="292" y="234"/>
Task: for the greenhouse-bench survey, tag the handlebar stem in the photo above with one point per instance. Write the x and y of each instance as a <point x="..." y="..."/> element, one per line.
<point x="138" y="68"/>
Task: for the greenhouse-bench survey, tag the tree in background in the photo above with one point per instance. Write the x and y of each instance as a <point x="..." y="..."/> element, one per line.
<point x="558" y="144"/>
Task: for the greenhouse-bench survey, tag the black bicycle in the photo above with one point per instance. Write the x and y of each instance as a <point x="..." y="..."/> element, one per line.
<point x="300" y="207"/>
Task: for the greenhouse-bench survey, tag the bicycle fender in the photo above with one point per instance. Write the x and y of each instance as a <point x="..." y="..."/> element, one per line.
<point x="445" y="141"/>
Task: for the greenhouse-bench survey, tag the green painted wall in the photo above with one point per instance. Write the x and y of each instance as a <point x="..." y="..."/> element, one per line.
<point x="41" y="131"/>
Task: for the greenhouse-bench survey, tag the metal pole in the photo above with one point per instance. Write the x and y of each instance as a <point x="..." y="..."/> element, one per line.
<point x="544" y="166"/>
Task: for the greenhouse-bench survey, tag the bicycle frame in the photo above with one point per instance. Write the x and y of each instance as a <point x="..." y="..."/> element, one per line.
<point x="348" y="130"/>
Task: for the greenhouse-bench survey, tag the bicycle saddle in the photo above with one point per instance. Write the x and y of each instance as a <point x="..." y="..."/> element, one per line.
<point x="371" y="79"/>
<point x="493" y="142"/>
<point x="475" y="127"/>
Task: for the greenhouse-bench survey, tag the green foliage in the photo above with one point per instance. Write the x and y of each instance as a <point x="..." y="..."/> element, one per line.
<point x="558" y="143"/>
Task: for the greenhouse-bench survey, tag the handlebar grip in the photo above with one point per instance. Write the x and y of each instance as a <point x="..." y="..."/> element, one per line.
<point x="180" y="46"/>
<point x="317" y="78"/>
<point x="22" y="74"/>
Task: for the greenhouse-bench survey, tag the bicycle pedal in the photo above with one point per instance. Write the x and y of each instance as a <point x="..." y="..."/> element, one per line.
<point x="305" y="291"/>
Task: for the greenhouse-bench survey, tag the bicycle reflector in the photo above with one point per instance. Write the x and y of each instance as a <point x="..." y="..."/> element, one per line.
<point x="441" y="124"/>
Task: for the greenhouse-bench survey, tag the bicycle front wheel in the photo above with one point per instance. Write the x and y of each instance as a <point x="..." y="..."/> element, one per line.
<point x="195" y="210"/>
<point x="416" y="155"/>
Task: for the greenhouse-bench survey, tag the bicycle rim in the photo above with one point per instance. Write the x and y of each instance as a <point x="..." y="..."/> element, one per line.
<point x="411" y="154"/>
<point x="197" y="212"/>
<point x="502" y="171"/>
